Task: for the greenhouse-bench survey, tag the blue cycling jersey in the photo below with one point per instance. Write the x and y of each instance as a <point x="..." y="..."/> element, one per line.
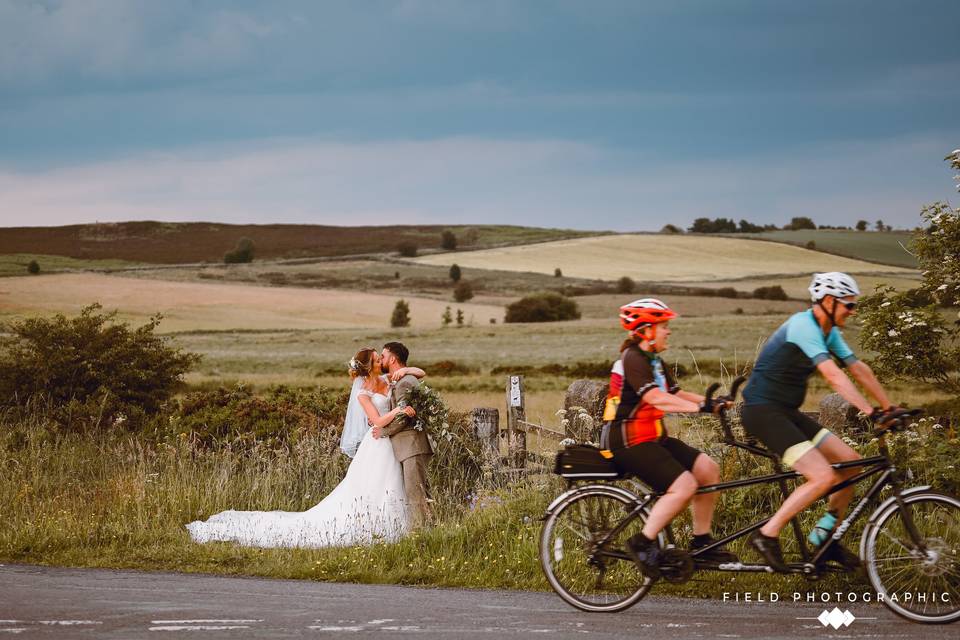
<point x="791" y="354"/>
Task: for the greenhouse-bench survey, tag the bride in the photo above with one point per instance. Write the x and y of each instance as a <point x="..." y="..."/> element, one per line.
<point x="367" y="505"/>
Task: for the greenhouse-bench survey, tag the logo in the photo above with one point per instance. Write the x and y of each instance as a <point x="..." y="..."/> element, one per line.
<point x="836" y="618"/>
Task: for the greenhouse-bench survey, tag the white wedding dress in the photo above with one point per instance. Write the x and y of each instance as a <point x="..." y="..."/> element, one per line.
<point x="367" y="506"/>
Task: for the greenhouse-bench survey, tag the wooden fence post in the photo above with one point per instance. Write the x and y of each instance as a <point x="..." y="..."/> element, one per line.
<point x="486" y="427"/>
<point x="516" y="415"/>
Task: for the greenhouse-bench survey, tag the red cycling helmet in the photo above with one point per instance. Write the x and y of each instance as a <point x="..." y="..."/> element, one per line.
<point x="643" y="312"/>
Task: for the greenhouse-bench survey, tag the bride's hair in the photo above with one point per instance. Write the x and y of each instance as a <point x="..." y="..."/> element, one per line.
<point x="362" y="363"/>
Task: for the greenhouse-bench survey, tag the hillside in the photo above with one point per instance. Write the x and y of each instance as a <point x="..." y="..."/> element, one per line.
<point x="661" y="258"/>
<point x="883" y="248"/>
<point x="173" y="243"/>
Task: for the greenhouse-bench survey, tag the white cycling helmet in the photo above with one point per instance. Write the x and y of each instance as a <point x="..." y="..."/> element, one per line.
<point x="833" y="283"/>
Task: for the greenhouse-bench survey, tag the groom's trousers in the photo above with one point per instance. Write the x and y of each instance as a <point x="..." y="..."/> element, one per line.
<point x="415" y="486"/>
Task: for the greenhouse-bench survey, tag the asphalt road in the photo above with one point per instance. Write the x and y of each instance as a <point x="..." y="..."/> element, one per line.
<point x="45" y="602"/>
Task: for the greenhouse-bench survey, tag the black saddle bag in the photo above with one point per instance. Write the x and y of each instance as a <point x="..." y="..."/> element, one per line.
<point x="585" y="462"/>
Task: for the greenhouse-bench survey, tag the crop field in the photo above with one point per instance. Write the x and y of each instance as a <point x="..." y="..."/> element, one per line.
<point x="217" y="307"/>
<point x="16" y="264"/>
<point x="796" y="286"/>
<point x="884" y="248"/>
<point x="660" y="258"/>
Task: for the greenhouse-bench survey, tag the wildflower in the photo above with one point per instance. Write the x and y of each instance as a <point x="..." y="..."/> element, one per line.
<point x="892" y="333"/>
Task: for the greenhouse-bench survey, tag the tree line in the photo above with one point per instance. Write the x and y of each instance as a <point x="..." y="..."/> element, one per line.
<point x="727" y="225"/>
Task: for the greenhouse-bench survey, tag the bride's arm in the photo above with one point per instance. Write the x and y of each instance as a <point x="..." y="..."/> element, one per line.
<point x="416" y="372"/>
<point x="377" y="420"/>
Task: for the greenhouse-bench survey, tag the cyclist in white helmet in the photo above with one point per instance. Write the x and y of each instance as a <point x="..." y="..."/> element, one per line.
<point x="809" y="341"/>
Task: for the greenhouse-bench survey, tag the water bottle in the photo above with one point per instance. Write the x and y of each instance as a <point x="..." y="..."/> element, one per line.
<point x="821" y="531"/>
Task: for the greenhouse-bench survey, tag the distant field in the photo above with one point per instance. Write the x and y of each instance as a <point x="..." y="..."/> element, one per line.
<point x="206" y="307"/>
<point x="796" y="286"/>
<point x="16" y="264"/>
<point x="659" y="258"/>
<point x="173" y="243"/>
<point x="884" y="248"/>
<point x="607" y="305"/>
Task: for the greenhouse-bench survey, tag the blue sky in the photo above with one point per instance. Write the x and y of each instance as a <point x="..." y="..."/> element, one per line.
<point x="604" y="114"/>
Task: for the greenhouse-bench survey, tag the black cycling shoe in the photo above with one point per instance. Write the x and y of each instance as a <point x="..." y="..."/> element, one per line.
<point x="840" y="554"/>
<point x="646" y="554"/>
<point x="769" y="548"/>
<point x="717" y="555"/>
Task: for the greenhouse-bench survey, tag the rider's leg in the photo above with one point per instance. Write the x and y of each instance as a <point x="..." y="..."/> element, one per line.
<point x="670" y="504"/>
<point x="706" y="471"/>
<point x="820" y="476"/>
<point x="836" y="450"/>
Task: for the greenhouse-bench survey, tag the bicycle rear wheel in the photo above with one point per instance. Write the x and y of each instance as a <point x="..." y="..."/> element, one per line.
<point x="586" y="573"/>
<point x="919" y="579"/>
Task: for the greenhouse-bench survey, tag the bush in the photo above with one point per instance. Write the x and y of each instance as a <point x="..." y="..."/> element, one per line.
<point x="446" y="317"/>
<point x="401" y="314"/>
<point x="542" y="307"/>
<point x="557" y="273"/>
<point x="862" y="225"/>
<point x="243" y="252"/>
<point x="727" y="292"/>
<point x="455" y="272"/>
<point x="811" y="245"/>
<point x="448" y="240"/>
<point x="671" y="228"/>
<point x="462" y="292"/>
<point x="241" y="419"/>
<point x="625" y="285"/>
<point x="407" y="249"/>
<point x="774" y="292"/>
<point x="33" y="268"/>
<point x="91" y="369"/>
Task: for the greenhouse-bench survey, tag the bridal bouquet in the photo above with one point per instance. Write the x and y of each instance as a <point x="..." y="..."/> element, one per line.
<point x="431" y="412"/>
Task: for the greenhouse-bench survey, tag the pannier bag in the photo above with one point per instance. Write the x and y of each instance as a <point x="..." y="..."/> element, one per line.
<point x="580" y="461"/>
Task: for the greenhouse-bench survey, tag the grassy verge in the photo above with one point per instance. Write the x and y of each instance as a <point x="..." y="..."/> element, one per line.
<point x="119" y="501"/>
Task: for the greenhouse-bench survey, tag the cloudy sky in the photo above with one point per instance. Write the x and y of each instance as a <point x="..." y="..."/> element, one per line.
<point x="598" y="115"/>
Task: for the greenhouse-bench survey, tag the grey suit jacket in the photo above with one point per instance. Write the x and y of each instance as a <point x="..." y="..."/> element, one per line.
<point x="407" y="441"/>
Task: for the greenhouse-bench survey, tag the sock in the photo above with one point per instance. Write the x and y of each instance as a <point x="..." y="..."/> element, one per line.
<point x="700" y="540"/>
<point x="823" y="528"/>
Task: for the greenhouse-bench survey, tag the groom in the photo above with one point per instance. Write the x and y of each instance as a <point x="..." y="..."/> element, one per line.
<point x="411" y="447"/>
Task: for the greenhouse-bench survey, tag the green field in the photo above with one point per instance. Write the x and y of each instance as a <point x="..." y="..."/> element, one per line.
<point x="872" y="246"/>
<point x="15" y="264"/>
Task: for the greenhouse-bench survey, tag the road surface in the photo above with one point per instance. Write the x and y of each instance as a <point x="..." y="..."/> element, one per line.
<point x="46" y="602"/>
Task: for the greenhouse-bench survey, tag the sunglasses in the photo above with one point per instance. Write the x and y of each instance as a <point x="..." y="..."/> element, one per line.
<point x="850" y="306"/>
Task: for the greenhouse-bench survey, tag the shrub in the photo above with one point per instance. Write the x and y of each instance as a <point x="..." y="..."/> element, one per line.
<point x="862" y="225"/>
<point x="462" y="292"/>
<point x="455" y="272"/>
<point x="459" y="317"/>
<point x="447" y="317"/>
<point x="241" y="419"/>
<point x="92" y="369"/>
<point x="811" y="245"/>
<point x="542" y="307"/>
<point x="33" y="268"/>
<point x="727" y="292"/>
<point x="773" y="292"/>
<point x="625" y="285"/>
<point x="557" y="273"/>
<point x="243" y="252"/>
<point x="448" y="240"/>
<point x="671" y="228"/>
<point x="401" y="314"/>
<point x="407" y="249"/>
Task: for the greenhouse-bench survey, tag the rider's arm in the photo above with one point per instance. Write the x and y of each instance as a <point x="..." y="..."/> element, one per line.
<point x="842" y="384"/>
<point x="689" y="395"/>
<point x="373" y="417"/>
<point x="670" y="403"/>
<point x="863" y="374"/>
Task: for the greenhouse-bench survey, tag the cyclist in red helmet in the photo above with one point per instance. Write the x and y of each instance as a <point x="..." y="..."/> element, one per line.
<point x="639" y="442"/>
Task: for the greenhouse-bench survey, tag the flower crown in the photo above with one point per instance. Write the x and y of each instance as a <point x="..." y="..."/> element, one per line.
<point x="354" y="365"/>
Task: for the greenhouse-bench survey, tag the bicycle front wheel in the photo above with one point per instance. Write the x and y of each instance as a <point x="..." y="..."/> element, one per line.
<point x="918" y="576"/>
<point x="586" y="570"/>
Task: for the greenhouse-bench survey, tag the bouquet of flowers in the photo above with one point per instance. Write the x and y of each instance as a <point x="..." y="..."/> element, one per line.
<point x="431" y="412"/>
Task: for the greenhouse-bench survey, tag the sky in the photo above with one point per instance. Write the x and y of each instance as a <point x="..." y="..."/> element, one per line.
<point x="589" y="115"/>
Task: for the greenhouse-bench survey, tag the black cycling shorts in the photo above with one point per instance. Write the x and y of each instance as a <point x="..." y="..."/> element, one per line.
<point x="657" y="463"/>
<point x="789" y="433"/>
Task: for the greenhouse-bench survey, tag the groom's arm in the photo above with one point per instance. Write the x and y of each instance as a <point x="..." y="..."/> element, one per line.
<point x="400" y="423"/>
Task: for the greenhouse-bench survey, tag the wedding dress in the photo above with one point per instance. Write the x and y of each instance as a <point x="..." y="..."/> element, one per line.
<point x="368" y="505"/>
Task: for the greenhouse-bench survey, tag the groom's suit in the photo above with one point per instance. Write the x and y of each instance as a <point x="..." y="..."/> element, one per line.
<point x="413" y="451"/>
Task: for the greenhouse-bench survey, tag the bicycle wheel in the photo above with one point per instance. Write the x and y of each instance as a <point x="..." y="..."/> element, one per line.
<point x="588" y="574"/>
<point x="919" y="579"/>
